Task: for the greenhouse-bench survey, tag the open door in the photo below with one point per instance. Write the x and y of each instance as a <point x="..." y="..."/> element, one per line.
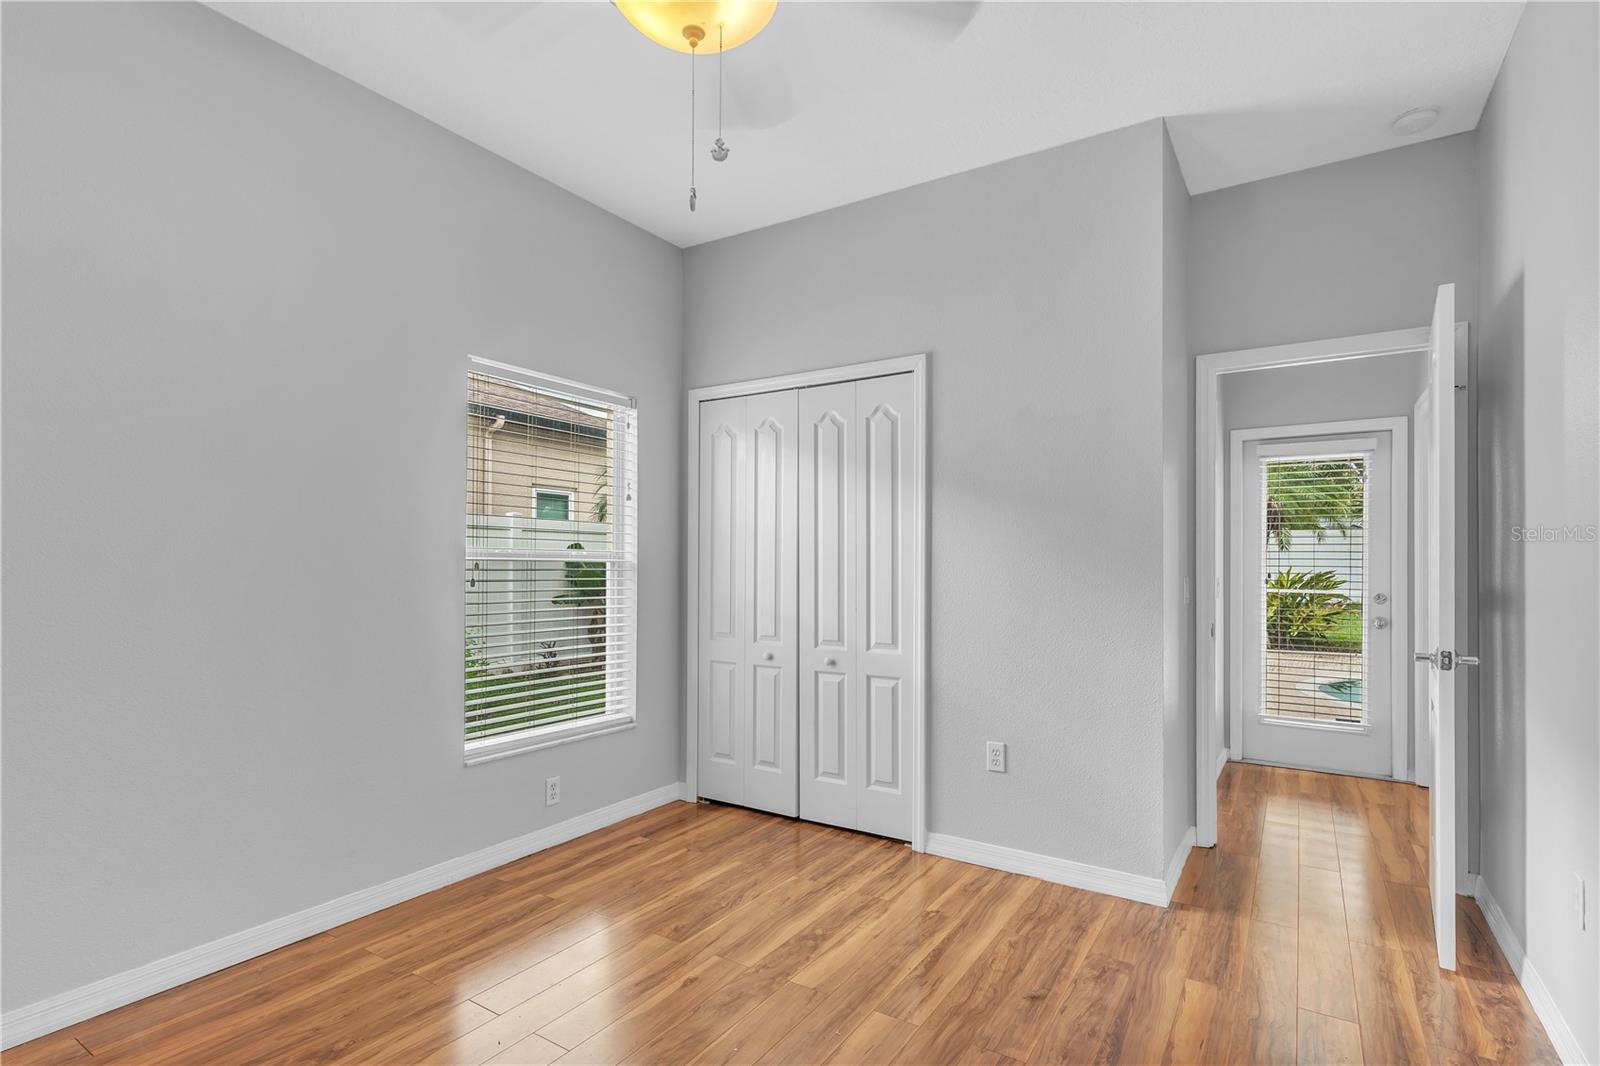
<point x="1441" y="657"/>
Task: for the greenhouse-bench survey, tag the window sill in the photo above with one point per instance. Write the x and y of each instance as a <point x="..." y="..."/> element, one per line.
<point x="482" y="751"/>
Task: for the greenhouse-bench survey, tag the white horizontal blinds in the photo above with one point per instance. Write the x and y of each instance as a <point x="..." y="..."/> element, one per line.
<point x="1314" y="560"/>
<point x="550" y="579"/>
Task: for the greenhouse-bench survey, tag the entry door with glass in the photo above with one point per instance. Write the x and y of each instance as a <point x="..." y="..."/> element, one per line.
<point x="1318" y="585"/>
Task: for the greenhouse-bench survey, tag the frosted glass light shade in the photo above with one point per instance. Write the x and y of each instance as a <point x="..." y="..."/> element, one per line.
<point x="664" y="21"/>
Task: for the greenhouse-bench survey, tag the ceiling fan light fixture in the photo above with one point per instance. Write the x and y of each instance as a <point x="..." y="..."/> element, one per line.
<point x="681" y="25"/>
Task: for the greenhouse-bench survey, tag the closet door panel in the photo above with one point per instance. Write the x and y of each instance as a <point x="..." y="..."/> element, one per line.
<point x="772" y="642"/>
<point x="885" y="481"/>
<point x="829" y="756"/>
<point x="721" y="689"/>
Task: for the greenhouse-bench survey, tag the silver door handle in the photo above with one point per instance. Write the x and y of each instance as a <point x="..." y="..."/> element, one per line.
<point x="767" y="656"/>
<point x="829" y="662"/>
<point x="1445" y="660"/>
<point x="1380" y="622"/>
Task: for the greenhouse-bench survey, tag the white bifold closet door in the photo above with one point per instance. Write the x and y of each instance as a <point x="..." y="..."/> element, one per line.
<point x="806" y="611"/>
<point x="858" y="480"/>
<point x="749" y="735"/>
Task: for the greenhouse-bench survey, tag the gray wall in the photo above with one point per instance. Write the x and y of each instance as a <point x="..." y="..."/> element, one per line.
<point x="1538" y="411"/>
<point x="1036" y="287"/>
<point x="1352" y="247"/>
<point x="1177" y="509"/>
<point x="239" y="290"/>
<point x="1324" y="392"/>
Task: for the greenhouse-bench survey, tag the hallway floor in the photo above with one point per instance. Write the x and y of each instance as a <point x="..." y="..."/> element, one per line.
<point x="714" y="934"/>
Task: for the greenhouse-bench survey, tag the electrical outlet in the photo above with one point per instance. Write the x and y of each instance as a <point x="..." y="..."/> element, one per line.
<point x="996" y="763"/>
<point x="1580" y="901"/>
<point x="552" y="791"/>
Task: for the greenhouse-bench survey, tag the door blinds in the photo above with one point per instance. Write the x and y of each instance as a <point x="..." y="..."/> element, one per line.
<point x="551" y="558"/>
<point x="1314" y="560"/>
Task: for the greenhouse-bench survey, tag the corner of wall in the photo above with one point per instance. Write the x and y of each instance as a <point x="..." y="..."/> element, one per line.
<point x="1177" y="461"/>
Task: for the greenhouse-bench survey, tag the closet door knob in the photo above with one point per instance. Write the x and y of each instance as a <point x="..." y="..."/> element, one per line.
<point x="830" y="662"/>
<point x="768" y="656"/>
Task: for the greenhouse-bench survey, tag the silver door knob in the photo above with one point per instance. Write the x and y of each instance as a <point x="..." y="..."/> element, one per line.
<point x="1380" y="622"/>
<point x="829" y="662"/>
<point x="768" y="656"/>
<point x="1466" y="660"/>
<point x="1422" y="656"/>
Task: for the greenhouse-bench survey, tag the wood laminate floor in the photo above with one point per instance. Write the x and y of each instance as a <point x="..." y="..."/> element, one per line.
<point x="710" y="934"/>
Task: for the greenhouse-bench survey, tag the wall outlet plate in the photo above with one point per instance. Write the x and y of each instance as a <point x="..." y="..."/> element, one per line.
<point x="552" y="791"/>
<point x="995" y="757"/>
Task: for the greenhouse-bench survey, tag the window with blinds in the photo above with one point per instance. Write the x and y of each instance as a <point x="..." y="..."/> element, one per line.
<point x="1314" y="557"/>
<point x="550" y="579"/>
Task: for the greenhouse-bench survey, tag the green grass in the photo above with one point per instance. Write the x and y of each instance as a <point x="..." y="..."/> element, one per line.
<point x="537" y="698"/>
<point x="1346" y="631"/>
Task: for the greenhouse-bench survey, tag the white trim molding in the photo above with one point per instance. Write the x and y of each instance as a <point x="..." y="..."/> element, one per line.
<point x="1544" y="1004"/>
<point x="1140" y="889"/>
<point x="915" y="365"/>
<point x="75" y="1005"/>
<point x="1180" y="858"/>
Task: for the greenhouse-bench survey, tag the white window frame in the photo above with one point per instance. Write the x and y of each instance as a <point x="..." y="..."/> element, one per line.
<point x="623" y="486"/>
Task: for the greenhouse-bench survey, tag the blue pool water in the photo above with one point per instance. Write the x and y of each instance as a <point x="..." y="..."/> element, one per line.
<point x="1348" y="690"/>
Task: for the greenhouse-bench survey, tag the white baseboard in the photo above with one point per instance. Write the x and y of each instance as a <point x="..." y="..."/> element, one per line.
<point x="1222" y="760"/>
<point x="1544" y="1004"/>
<point x="1049" y="868"/>
<point x="74" y="1005"/>
<point x="1176" y="863"/>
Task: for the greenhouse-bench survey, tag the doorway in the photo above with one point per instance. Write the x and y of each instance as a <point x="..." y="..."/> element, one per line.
<point x="1318" y="597"/>
<point x="1446" y="551"/>
<point x="806" y="614"/>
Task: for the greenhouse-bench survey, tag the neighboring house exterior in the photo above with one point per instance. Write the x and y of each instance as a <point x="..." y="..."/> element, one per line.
<point x="532" y="457"/>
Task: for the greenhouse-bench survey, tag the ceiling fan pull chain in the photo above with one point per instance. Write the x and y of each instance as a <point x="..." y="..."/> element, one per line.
<point x="693" y="196"/>
<point x="719" y="151"/>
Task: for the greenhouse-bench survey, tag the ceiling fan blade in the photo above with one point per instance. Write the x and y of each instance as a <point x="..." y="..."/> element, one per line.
<point x="482" y="19"/>
<point x="758" y="93"/>
<point x="934" y="20"/>
<point x="537" y="24"/>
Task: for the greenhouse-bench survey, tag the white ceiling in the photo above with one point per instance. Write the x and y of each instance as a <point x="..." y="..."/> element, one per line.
<point x="836" y="102"/>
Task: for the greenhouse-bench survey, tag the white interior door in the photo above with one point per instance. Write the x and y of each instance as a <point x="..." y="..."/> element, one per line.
<point x="886" y="482"/>
<point x="746" y="691"/>
<point x="721" y="690"/>
<point x="1440" y="654"/>
<point x="1318" y="567"/>
<point x="829" y="515"/>
<point x="858" y="500"/>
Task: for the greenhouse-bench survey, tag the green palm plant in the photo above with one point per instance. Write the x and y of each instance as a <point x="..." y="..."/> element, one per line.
<point x="1319" y="496"/>
<point x="1303" y="607"/>
<point x="586" y="590"/>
